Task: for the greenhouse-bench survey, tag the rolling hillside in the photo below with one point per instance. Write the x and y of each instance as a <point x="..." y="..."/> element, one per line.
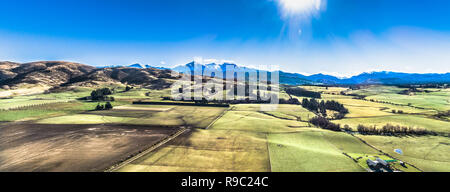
<point x="55" y="74"/>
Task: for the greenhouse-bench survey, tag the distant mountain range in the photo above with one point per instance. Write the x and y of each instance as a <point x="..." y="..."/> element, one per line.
<point x="383" y="77"/>
<point x="62" y="74"/>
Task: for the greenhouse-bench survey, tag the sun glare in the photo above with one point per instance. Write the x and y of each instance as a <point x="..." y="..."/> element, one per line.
<point x="299" y="7"/>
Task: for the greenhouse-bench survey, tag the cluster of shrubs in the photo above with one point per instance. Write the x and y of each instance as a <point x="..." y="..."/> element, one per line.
<point x="128" y="88"/>
<point x="107" y="106"/>
<point x="398" y="111"/>
<point x="101" y="95"/>
<point x="393" y="130"/>
<point x="321" y="107"/>
<point x="300" y="92"/>
<point x="324" y="123"/>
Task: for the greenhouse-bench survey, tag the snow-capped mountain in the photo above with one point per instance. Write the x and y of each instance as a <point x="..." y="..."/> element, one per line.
<point x="382" y="77"/>
<point x="207" y="69"/>
<point x="136" y="65"/>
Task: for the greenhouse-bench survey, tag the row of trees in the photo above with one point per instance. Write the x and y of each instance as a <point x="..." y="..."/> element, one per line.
<point x="321" y="107"/>
<point x="430" y="85"/>
<point x="324" y="123"/>
<point x="300" y="92"/>
<point x="292" y="101"/>
<point x="42" y="106"/>
<point x="393" y="130"/>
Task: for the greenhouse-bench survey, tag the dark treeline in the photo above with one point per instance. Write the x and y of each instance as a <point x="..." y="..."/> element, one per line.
<point x="443" y="114"/>
<point x="430" y="85"/>
<point x="181" y="103"/>
<point x="215" y="101"/>
<point x="299" y="92"/>
<point x="292" y="101"/>
<point x="355" y="96"/>
<point x="413" y="90"/>
<point x="321" y="107"/>
<point x="324" y="123"/>
<point x="393" y="130"/>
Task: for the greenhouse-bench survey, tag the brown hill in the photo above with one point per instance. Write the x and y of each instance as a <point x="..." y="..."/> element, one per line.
<point x="56" y="74"/>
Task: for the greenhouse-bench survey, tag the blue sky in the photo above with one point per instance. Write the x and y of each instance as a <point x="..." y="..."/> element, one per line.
<point x="341" y="37"/>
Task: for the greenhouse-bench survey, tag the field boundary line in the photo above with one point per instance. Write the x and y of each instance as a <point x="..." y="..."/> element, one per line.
<point x="268" y="152"/>
<point x="341" y="151"/>
<point x="218" y="117"/>
<point x="147" y="151"/>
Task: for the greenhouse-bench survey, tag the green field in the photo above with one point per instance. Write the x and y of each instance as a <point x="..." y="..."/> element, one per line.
<point x="39" y="106"/>
<point x="208" y="150"/>
<point x="164" y="115"/>
<point x="436" y="99"/>
<point x="310" y="151"/>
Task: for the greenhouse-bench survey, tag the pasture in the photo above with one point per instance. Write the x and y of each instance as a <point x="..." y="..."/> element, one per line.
<point x="433" y="99"/>
<point x="151" y="115"/>
<point x="207" y="150"/>
<point x="313" y="150"/>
